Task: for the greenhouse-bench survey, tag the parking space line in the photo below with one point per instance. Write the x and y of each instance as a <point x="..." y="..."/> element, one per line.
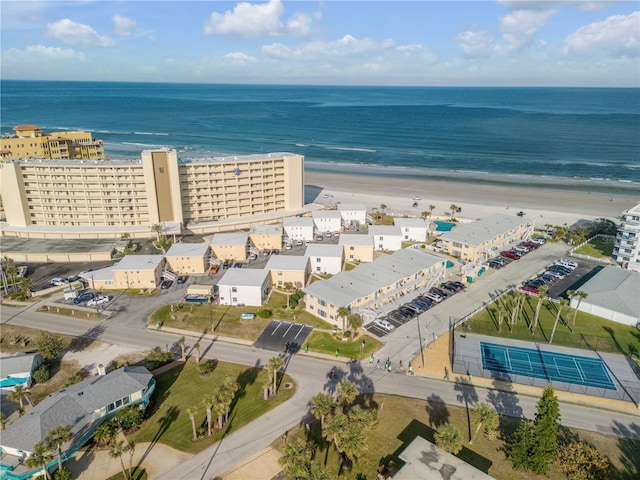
<point x="276" y="329"/>
<point x="287" y="332"/>
<point x="302" y="327"/>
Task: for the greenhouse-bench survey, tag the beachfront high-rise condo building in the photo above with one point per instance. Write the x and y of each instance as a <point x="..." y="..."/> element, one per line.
<point x="93" y="199"/>
<point x="627" y="247"/>
<point x="30" y="142"/>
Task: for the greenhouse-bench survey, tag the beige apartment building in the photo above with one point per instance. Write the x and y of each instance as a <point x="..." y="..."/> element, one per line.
<point x="288" y="269"/>
<point x="230" y="246"/>
<point x="133" y="271"/>
<point x="30" y="142"/>
<point x="266" y="237"/>
<point x="188" y="258"/>
<point x="83" y="198"/>
<point x="357" y="247"/>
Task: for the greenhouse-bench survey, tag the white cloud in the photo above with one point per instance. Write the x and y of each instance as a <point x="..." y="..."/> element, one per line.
<point x="124" y="26"/>
<point x="520" y="27"/>
<point x="300" y="25"/>
<point x="478" y="44"/>
<point x="615" y="36"/>
<point x="37" y="53"/>
<point x="587" y="6"/>
<point x="247" y="19"/>
<point x="240" y="58"/>
<point x="74" y="33"/>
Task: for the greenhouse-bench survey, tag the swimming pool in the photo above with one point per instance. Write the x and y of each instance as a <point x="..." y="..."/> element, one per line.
<point x="442" y="226"/>
<point x="11" y="382"/>
<point x="559" y="367"/>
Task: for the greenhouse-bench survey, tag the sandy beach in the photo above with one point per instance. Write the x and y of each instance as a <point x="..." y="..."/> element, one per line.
<point x="553" y="205"/>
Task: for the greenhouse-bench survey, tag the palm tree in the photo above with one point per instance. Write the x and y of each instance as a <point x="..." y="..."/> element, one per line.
<point x="296" y="457"/>
<point x="229" y="389"/>
<point x="343" y="312"/>
<point x="156" y="227"/>
<point x="57" y="437"/>
<point x="449" y="439"/>
<point x="431" y="209"/>
<point x="321" y="406"/>
<point x="191" y="411"/>
<point x="40" y="457"/>
<point x="288" y="288"/>
<point x="424" y="215"/>
<point x="483" y="414"/>
<point x="561" y="304"/>
<point x="18" y="393"/>
<point x="581" y="296"/>
<point x="515" y="312"/>
<point x="383" y="207"/>
<point x="209" y="402"/>
<point x="501" y="313"/>
<point x="334" y="426"/>
<point x="20" y="411"/>
<point x="3" y="420"/>
<point x="353" y="443"/>
<point x="275" y="364"/>
<point x="131" y="448"/>
<point x="354" y="322"/>
<point x="116" y="450"/>
<point x="454" y="208"/>
<point x="105" y="433"/>
<point x="542" y="295"/>
<point x="318" y="471"/>
<point x="220" y="408"/>
<point x="196" y="347"/>
<point x="346" y="393"/>
<point x="181" y="342"/>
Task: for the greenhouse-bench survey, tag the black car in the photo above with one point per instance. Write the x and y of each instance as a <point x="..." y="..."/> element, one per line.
<point x="443" y="293"/>
<point x="226" y="264"/>
<point x="537" y="283"/>
<point x="166" y="284"/>
<point x="496" y="265"/>
<point x="83" y="297"/>
<point x="237" y="265"/>
<point x="448" y="288"/>
<point x="182" y="279"/>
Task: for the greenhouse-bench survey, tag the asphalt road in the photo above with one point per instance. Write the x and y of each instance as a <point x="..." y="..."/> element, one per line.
<point x="127" y="327"/>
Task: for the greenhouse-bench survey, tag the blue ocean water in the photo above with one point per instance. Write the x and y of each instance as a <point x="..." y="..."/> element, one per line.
<point x="531" y="135"/>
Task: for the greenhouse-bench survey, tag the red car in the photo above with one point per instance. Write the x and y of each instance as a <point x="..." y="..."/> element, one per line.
<point x="529" y="289"/>
<point x="531" y="245"/>
<point x="510" y="254"/>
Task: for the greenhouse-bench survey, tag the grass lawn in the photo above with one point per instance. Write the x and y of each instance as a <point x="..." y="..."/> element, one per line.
<point x="598" y="248"/>
<point x="80" y="314"/>
<point x="401" y="419"/>
<point x="182" y="387"/>
<point x="591" y="332"/>
<point x="225" y="320"/>
<point x="325" y="342"/>
<point x="138" y="473"/>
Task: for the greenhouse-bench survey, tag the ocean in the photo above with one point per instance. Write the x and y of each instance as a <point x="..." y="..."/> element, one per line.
<point x="578" y="137"/>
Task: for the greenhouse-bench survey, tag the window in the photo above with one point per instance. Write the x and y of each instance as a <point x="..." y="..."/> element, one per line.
<point x="352" y="248"/>
<point x="318" y="268"/>
<point x="322" y="313"/>
<point x="322" y="303"/>
<point x="318" y="260"/>
<point x="234" y="289"/>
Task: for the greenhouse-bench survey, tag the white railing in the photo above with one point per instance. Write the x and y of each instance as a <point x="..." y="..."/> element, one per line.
<point x="608" y="261"/>
<point x="482" y="307"/>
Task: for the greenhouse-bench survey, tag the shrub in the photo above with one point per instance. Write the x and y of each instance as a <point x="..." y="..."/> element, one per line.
<point x="72" y="380"/>
<point x="158" y="357"/>
<point x="130" y="417"/>
<point x="41" y="374"/>
<point x="264" y="313"/>
<point x="205" y="367"/>
<point x="63" y="474"/>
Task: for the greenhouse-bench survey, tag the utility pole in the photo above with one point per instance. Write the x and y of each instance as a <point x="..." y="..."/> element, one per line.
<point x="95" y="296"/>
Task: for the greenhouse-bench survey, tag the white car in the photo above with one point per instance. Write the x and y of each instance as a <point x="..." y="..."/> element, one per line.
<point x="383" y="324"/>
<point x="522" y="249"/>
<point x="99" y="300"/>
<point x="558" y="275"/>
<point x="22" y="271"/>
<point x="253" y="256"/>
<point x="567" y="263"/>
<point x="416" y="197"/>
<point x="433" y="296"/>
<point x="59" y="282"/>
<point x="539" y="241"/>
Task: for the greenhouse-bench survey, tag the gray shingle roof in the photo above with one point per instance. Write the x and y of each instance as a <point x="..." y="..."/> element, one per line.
<point x="266" y="230"/>
<point x="355" y="239"/>
<point x="188" y="250"/>
<point x="138" y="262"/>
<point x="74" y="406"/>
<point x="230" y="238"/>
<point x="483" y="230"/>
<point x="297" y="222"/>
<point x="324" y="250"/>
<point x="19" y="363"/>
<point x="287" y="262"/>
<point x="245" y="277"/>
<point x="345" y="287"/>
<point x="615" y="289"/>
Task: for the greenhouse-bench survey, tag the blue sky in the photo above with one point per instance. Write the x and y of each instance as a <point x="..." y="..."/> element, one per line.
<point x="456" y="43"/>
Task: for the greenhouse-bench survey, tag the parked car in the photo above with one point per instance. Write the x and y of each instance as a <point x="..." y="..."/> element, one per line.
<point x="522" y="249"/>
<point x="288" y="246"/>
<point x="237" y="265"/>
<point x="166" y="284"/>
<point x="253" y="256"/>
<point x="555" y="274"/>
<point x="182" y="279"/>
<point x="226" y="264"/>
<point x="535" y="283"/>
<point x="549" y="277"/>
<point x="415" y="204"/>
<point x="99" y="300"/>
<point x="433" y="297"/>
<point x="59" y="282"/>
<point x="266" y="252"/>
<point x="569" y="263"/>
<point x="409" y="312"/>
<point x="413" y="308"/>
<point x="424" y="302"/>
<point x="298" y="243"/>
<point x="336" y="234"/>
<point x="528" y="289"/>
<point x="83" y="297"/>
<point x="496" y="265"/>
<point x="275" y="251"/>
<point x="385" y="325"/>
<point x="561" y="268"/>
<point x="214" y="268"/>
<point x="444" y="294"/>
<point x="538" y="240"/>
<point x="457" y="285"/>
<point x="22" y="271"/>
<point x="533" y="246"/>
<point x="449" y="288"/>
<point x="510" y="254"/>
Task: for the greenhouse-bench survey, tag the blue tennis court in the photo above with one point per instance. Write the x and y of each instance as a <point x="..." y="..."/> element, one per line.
<point x="553" y="366"/>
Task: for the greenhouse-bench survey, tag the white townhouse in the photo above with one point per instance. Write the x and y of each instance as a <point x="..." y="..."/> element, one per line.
<point x="352" y="213"/>
<point x="325" y="259"/>
<point x="413" y="229"/>
<point x="386" y="237"/>
<point x="327" y="221"/>
<point x="244" y="286"/>
<point x="356" y="247"/>
<point x="298" y="228"/>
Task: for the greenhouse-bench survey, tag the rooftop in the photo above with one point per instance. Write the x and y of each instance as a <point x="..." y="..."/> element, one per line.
<point x="244" y="277"/>
<point x="352" y="207"/>
<point x="324" y="250"/>
<point x="287" y="262"/>
<point x="230" y="238"/>
<point x="188" y="250"/>
<point x="410" y="222"/>
<point x="615" y="289"/>
<point x="385" y="230"/>
<point x="297" y="222"/>
<point x="266" y="230"/>
<point x="317" y="214"/>
<point x="19" y="363"/>
<point x="483" y="230"/>
<point x="356" y="239"/>
<point x="138" y="262"/>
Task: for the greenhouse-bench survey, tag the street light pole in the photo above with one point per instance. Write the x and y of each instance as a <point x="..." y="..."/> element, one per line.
<point x="95" y="296"/>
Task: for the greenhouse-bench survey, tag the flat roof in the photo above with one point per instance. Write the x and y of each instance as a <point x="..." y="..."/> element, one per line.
<point x="266" y="230"/>
<point x="345" y="287"/>
<point x="40" y="245"/>
<point x="244" y="277"/>
<point x="230" y="238"/>
<point x="324" y="250"/>
<point x="410" y="222"/>
<point x="356" y="239"/>
<point x="352" y="207"/>
<point x="138" y="262"/>
<point x="286" y="262"/>
<point x="297" y="222"/>
<point x="327" y="214"/>
<point x="483" y="230"/>
<point x="385" y="230"/>
<point x="615" y="289"/>
<point x="188" y="250"/>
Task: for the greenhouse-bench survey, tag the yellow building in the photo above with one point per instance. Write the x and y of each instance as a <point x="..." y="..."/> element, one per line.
<point x="30" y="142"/>
<point x="291" y="269"/>
<point x="266" y="237"/>
<point x="84" y="198"/>
<point x="357" y="247"/>
<point x="230" y="246"/>
<point x="133" y="271"/>
<point x="188" y="258"/>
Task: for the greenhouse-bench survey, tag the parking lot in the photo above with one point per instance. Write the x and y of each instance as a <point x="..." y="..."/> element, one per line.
<point x="281" y="336"/>
<point x="583" y="272"/>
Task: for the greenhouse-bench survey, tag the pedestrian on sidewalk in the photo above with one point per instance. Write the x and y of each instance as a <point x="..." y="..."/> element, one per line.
<point x="371" y="359"/>
<point x="378" y="365"/>
<point x="337" y="352"/>
<point x="446" y="373"/>
<point x="306" y="348"/>
<point x="410" y="369"/>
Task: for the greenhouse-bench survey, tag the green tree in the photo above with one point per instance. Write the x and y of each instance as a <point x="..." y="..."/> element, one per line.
<point x="484" y="415"/>
<point x="50" y="345"/>
<point x="116" y="450"/>
<point x="343" y="313"/>
<point x="40" y="457"/>
<point x="105" y="433"/>
<point x="321" y="406"/>
<point x="562" y="303"/>
<point x="18" y="394"/>
<point x="275" y="364"/>
<point x="354" y="322"/>
<point x="383" y="207"/>
<point x="129" y="417"/>
<point x="581" y="296"/>
<point x="454" y="208"/>
<point x="228" y="389"/>
<point x="518" y="448"/>
<point x="3" y="421"/>
<point x="209" y="402"/>
<point x="353" y="444"/>
<point x="346" y="393"/>
<point x="196" y="347"/>
<point x="182" y="342"/>
<point x="317" y="471"/>
<point x="545" y="432"/>
<point x="288" y="288"/>
<point x="56" y="438"/>
<point x="581" y="461"/>
<point x="191" y="411"/>
<point x="449" y="439"/>
<point x="431" y="209"/>
<point x="62" y="474"/>
<point x="542" y="295"/>
<point x="425" y="214"/>
<point x="22" y="286"/>
<point x="156" y="227"/>
<point x="131" y="448"/>
<point x="296" y="457"/>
